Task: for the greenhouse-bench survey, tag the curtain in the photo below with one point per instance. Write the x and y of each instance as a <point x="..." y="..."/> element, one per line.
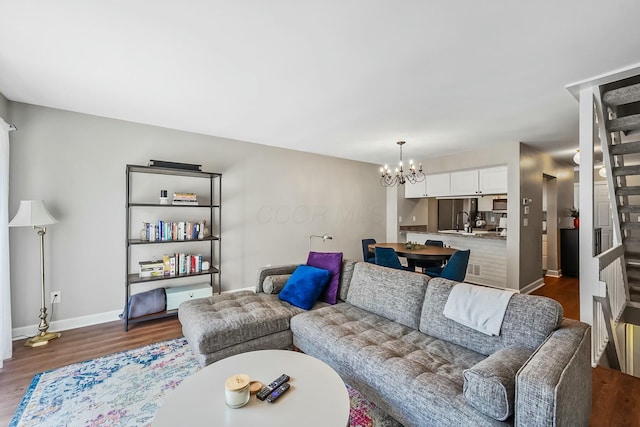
<point x="5" y="289"/>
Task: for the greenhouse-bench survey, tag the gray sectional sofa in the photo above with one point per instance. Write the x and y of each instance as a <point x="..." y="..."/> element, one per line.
<point x="389" y="339"/>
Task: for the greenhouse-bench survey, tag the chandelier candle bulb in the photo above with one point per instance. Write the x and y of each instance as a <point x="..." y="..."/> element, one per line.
<point x="236" y="390"/>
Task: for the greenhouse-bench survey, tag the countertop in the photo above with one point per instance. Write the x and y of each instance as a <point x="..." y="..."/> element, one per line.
<point x="475" y="234"/>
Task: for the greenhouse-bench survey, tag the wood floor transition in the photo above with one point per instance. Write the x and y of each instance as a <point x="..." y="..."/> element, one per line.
<point x="616" y="396"/>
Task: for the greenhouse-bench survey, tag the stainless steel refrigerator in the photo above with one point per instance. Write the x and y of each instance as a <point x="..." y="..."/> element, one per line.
<point x="450" y="216"/>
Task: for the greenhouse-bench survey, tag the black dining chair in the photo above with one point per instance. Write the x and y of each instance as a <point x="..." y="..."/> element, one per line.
<point x="366" y="255"/>
<point x="430" y="264"/>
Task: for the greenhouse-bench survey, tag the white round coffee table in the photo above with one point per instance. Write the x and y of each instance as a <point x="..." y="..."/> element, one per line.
<point x="317" y="397"/>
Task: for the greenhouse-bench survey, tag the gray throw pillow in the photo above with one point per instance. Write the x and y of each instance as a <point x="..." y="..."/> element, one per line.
<point x="490" y="385"/>
<point x="274" y="284"/>
<point x="148" y="302"/>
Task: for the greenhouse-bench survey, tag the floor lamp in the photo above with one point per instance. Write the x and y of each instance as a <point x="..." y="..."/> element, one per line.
<point x="32" y="213"/>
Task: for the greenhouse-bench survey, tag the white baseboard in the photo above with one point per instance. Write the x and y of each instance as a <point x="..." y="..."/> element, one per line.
<point x="554" y="273"/>
<point x="532" y="286"/>
<point x="79" y="322"/>
<point x="66" y="324"/>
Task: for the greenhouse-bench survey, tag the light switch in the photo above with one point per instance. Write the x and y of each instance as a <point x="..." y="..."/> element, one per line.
<point x="414" y="218"/>
<point x="526" y="210"/>
<point x="399" y="219"/>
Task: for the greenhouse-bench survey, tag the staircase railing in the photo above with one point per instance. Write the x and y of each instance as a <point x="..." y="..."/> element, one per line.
<point x="608" y="308"/>
<point x="611" y="298"/>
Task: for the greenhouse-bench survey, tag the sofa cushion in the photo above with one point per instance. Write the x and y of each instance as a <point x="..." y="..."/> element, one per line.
<point x="395" y="294"/>
<point x="331" y="261"/>
<point x="415" y="378"/>
<point x="490" y="386"/>
<point x="304" y="286"/>
<point x="274" y="284"/>
<point x="220" y="321"/>
<point x="527" y="322"/>
<point x="345" y="278"/>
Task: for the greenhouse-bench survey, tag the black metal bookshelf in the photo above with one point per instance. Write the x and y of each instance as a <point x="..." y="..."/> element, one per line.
<point x="211" y="242"/>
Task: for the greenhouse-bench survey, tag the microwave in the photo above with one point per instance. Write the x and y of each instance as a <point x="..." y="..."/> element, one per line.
<point x="499" y="204"/>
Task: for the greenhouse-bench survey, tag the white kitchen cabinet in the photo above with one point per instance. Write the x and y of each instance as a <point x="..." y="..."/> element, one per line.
<point x="492" y="180"/>
<point x="413" y="191"/>
<point x="460" y="183"/>
<point x="464" y="183"/>
<point x="479" y="181"/>
<point x="436" y="185"/>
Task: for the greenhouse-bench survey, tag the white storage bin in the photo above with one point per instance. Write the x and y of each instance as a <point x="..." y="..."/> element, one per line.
<point x="178" y="294"/>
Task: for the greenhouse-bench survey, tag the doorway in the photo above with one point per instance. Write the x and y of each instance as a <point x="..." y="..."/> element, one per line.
<point x="550" y="261"/>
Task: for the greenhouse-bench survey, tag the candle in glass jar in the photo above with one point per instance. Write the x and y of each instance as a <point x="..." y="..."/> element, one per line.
<point x="236" y="390"/>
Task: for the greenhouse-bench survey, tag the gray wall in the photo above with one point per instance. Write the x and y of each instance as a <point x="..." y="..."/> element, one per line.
<point x="4" y="108"/>
<point x="533" y="166"/>
<point x="273" y="199"/>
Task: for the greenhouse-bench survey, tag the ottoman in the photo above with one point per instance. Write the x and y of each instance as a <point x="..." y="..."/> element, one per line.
<point x="227" y="324"/>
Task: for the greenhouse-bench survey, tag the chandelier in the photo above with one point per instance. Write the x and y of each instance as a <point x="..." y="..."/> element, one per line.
<point x="390" y="179"/>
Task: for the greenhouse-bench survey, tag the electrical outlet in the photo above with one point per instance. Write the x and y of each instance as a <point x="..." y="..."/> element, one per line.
<point x="56" y="297"/>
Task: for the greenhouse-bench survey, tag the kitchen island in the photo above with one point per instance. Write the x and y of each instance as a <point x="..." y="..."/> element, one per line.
<point x="488" y="258"/>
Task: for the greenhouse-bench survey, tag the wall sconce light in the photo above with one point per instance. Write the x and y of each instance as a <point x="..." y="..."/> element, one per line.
<point x="576" y="157"/>
<point x="324" y="238"/>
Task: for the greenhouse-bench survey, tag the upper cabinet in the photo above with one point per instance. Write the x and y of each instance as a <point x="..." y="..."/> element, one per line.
<point x="479" y="181"/>
<point x="435" y="185"/>
<point x="438" y="185"/>
<point x="464" y="183"/>
<point x="470" y="182"/>
<point x="492" y="180"/>
<point x="414" y="191"/>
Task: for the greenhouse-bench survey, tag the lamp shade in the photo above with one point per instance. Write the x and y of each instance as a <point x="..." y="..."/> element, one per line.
<point x="32" y="213"/>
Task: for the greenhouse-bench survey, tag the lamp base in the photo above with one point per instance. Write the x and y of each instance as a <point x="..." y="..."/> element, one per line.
<point x="42" y="339"/>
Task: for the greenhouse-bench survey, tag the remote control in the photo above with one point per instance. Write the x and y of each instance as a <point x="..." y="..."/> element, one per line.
<point x="278" y="392"/>
<point x="266" y="391"/>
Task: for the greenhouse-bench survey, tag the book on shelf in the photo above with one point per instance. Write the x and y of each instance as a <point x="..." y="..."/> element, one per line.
<point x="153" y="268"/>
<point x="184" y="202"/>
<point x="171" y="265"/>
<point x="165" y="231"/>
<point x="185" y="199"/>
<point x="180" y="264"/>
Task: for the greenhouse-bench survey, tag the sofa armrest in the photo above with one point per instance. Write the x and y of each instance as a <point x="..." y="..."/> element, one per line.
<point x="272" y="271"/>
<point x="553" y="388"/>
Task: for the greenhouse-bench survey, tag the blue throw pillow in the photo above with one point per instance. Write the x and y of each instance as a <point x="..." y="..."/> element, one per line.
<point x="304" y="286"/>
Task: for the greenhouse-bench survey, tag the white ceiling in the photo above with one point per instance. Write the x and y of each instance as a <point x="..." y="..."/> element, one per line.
<point x="345" y="78"/>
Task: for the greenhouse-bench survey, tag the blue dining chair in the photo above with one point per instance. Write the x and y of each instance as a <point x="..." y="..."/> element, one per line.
<point x="455" y="269"/>
<point x="430" y="264"/>
<point x="366" y="255"/>
<point x="387" y="257"/>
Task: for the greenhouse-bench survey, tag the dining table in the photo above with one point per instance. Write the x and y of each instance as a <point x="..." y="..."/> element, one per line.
<point x="420" y="253"/>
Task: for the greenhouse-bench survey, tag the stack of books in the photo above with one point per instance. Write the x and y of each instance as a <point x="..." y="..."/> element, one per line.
<point x="187" y="199"/>
<point x="151" y="268"/>
<point x="179" y="263"/>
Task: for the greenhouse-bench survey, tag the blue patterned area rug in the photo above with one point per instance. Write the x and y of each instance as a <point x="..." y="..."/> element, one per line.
<point x="126" y="389"/>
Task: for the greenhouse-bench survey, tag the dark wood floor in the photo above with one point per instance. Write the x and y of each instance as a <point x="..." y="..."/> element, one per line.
<point x="616" y="396"/>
